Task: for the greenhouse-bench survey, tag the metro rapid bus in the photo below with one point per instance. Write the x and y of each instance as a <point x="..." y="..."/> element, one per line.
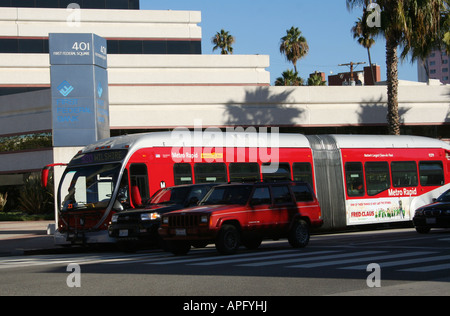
<point x="358" y="179"/>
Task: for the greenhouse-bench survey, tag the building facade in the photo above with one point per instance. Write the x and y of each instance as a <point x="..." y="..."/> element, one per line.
<point x="438" y="66"/>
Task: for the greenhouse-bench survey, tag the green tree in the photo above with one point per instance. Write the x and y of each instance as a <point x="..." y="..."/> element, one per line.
<point x="405" y="23"/>
<point x="365" y="37"/>
<point x="289" y="78"/>
<point x="316" y="80"/>
<point x="224" y="41"/>
<point x="294" y="46"/>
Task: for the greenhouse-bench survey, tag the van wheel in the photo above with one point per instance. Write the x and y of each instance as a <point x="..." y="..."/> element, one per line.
<point x="228" y="240"/>
<point x="299" y="234"/>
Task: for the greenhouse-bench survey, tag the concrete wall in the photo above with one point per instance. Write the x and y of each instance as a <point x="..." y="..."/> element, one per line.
<point x="36" y="22"/>
<point x="34" y="70"/>
<point x="279" y="106"/>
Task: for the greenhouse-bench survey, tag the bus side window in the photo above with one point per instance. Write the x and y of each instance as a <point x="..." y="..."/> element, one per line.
<point x="303" y="172"/>
<point x="377" y="177"/>
<point x="182" y="173"/>
<point x="354" y="178"/>
<point x="244" y="172"/>
<point x="210" y="173"/>
<point x="431" y="173"/>
<point x="404" y="174"/>
<point x="139" y="180"/>
<point x="282" y="173"/>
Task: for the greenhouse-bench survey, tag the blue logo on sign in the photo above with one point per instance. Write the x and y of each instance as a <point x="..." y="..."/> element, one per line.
<point x="99" y="90"/>
<point x="65" y="88"/>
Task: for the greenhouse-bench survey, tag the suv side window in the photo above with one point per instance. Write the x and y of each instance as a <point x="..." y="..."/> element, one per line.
<point x="261" y="196"/>
<point x="302" y="193"/>
<point x="281" y="195"/>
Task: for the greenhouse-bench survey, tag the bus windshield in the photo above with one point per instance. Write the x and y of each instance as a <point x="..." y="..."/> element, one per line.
<point x="88" y="187"/>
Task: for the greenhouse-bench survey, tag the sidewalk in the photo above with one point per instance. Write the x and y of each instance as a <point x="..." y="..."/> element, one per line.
<point x="19" y="238"/>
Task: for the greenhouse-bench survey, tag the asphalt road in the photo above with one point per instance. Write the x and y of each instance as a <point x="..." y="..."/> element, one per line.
<point x="406" y="263"/>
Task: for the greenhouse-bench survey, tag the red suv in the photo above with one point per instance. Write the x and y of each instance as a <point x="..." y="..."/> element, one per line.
<point x="235" y="214"/>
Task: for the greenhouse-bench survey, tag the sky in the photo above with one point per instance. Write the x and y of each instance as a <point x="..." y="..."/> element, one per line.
<point x="258" y="26"/>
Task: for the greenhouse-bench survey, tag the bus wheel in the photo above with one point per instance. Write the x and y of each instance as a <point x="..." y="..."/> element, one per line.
<point x="228" y="240"/>
<point x="180" y="247"/>
<point x="299" y="234"/>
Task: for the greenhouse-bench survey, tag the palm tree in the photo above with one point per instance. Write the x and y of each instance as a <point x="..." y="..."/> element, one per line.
<point x="223" y="40"/>
<point x="294" y="46"/>
<point x="404" y="22"/>
<point x="316" y="80"/>
<point x="364" y="35"/>
<point x="289" y="78"/>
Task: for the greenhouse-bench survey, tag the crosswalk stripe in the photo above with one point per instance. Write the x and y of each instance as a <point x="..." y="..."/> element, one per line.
<point x="438" y="267"/>
<point x="345" y="255"/>
<point x="218" y="257"/>
<point x="401" y="262"/>
<point x="226" y="261"/>
<point x="337" y="262"/>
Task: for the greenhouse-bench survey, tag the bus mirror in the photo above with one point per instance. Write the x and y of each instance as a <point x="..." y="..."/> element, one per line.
<point x="45" y="173"/>
<point x="44" y="176"/>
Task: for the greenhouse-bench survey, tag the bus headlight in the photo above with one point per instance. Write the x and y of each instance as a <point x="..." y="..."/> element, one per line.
<point x="150" y="216"/>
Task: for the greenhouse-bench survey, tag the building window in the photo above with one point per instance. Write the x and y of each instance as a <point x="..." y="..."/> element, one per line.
<point x="84" y="4"/>
<point x="40" y="46"/>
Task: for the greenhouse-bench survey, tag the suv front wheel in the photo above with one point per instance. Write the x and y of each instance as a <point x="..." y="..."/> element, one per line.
<point x="228" y="240"/>
<point x="299" y="234"/>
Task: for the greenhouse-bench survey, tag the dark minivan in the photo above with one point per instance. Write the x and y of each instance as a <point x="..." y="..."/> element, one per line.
<point x="434" y="215"/>
<point x="137" y="227"/>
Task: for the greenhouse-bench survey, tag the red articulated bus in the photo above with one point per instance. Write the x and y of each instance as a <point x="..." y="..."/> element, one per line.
<point x="358" y="179"/>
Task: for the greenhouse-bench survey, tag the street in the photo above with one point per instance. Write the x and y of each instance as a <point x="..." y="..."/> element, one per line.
<point x="406" y="263"/>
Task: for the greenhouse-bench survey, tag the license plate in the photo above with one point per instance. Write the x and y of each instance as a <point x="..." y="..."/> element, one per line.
<point x="180" y="231"/>
<point x="123" y="233"/>
<point x="431" y="220"/>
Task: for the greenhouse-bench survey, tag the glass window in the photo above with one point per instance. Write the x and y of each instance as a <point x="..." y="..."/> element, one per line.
<point x="431" y="173"/>
<point x="261" y="196"/>
<point x="130" y="47"/>
<point x="244" y="172"/>
<point x="281" y="195"/>
<point x="139" y="178"/>
<point x="182" y="173"/>
<point x="303" y="172"/>
<point x="88" y="187"/>
<point x="210" y="172"/>
<point x="354" y="178"/>
<point x="404" y="174"/>
<point x="281" y="173"/>
<point x="377" y="177"/>
<point x="155" y="47"/>
<point x="302" y="193"/>
<point x="234" y="194"/>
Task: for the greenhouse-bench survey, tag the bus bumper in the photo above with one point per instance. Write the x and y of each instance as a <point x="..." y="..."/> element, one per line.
<point x="80" y="238"/>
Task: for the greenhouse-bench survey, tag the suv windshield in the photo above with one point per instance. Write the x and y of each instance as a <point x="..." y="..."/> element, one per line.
<point x="444" y="197"/>
<point x="88" y="187"/>
<point x="228" y="195"/>
<point x="170" y="196"/>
